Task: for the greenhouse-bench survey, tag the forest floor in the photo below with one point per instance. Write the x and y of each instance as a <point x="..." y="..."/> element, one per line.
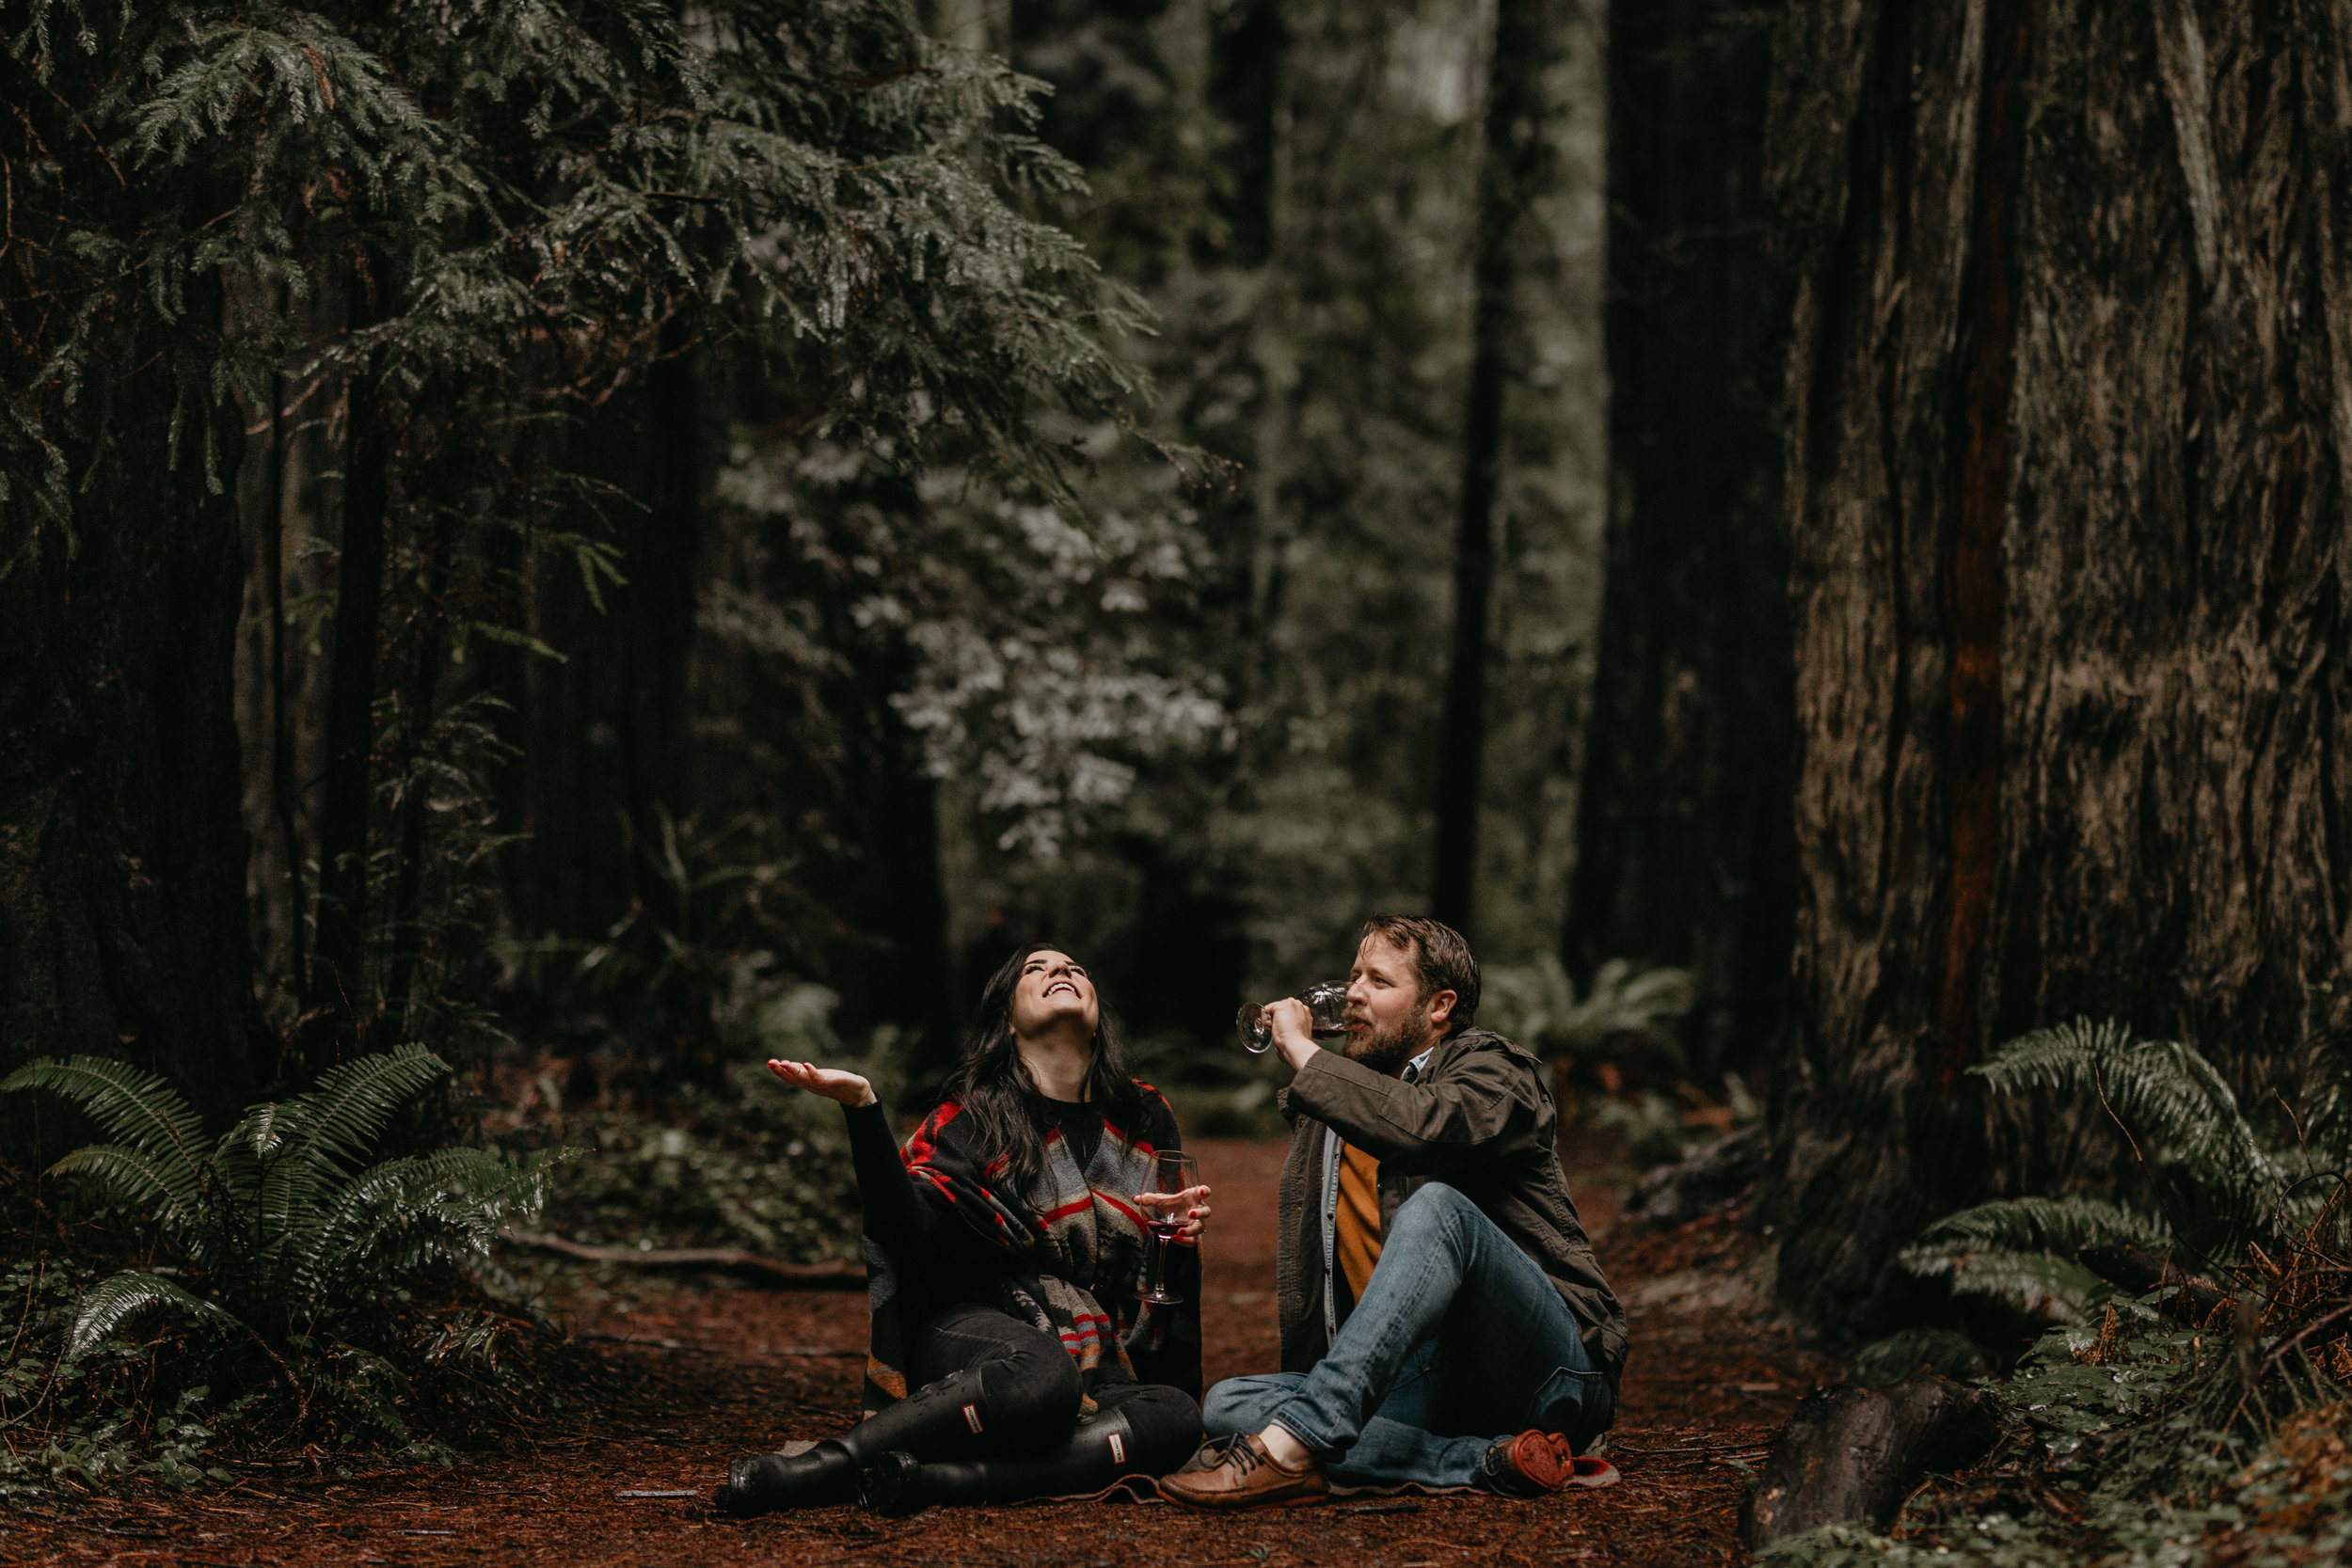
<point x="706" y="1373"/>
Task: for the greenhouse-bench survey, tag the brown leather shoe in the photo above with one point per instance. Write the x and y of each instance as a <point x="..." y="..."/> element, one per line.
<point x="1237" y="1472"/>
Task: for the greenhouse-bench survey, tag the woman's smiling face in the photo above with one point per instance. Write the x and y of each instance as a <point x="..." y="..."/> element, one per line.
<point x="1053" y="987"/>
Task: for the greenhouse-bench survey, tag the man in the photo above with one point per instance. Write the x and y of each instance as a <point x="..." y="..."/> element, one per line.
<point x="1443" y="1318"/>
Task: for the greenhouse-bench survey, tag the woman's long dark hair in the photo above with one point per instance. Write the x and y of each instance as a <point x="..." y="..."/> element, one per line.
<point x="996" y="1090"/>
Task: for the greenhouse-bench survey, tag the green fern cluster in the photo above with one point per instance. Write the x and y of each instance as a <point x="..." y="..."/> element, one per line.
<point x="1537" y="1005"/>
<point x="286" y="1231"/>
<point x="2235" y="1186"/>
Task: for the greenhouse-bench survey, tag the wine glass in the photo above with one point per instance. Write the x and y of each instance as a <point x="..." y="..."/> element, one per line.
<point x="1327" y="1007"/>
<point x="1174" y="1176"/>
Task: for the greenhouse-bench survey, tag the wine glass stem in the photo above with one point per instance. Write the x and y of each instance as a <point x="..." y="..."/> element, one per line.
<point x="1159" y="1266"/>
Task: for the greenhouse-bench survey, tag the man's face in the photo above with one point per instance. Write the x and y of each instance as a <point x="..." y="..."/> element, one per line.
<point x="1388" y="1022"/>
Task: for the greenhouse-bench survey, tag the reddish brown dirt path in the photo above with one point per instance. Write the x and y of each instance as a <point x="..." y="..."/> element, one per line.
<point x="1705" y="1388"/>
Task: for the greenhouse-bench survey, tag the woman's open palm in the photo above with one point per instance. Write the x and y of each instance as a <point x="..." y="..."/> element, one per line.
<point x="843" y="1088"/>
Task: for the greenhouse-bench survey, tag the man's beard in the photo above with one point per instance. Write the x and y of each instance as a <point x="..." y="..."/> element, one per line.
<point x="1387" y="1050"/>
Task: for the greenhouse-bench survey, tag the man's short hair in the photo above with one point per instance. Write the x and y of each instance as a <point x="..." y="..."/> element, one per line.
<point x="1440" y="956"/>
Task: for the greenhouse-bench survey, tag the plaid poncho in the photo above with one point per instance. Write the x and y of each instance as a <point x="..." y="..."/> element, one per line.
<point x="1067" y="1256"/>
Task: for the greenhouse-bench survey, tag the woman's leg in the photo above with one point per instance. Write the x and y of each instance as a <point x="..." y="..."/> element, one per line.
<point x="990" y="1384"/>
<point x="1137" y="1429"/>
<point x="993" y="1385"/>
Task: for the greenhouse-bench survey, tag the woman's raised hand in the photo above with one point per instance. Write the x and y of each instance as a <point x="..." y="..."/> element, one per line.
<point x="844" y="1088"/>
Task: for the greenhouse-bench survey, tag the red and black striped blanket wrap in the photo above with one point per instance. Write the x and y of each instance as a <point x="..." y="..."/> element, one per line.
<point x="1067" y="1256"/>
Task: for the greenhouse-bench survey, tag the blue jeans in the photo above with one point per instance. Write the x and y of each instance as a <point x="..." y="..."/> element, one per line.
<point x="1459" y="1339"/>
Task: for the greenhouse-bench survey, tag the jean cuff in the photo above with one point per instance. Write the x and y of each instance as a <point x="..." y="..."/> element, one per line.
<point x="1322" y="1448"/>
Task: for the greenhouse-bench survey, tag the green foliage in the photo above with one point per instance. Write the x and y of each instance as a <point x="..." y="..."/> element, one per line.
<point x="1290" y="186"/>
<point x="296" y="1259"/>
<point x="96" y="1424"/>
<point x="2131" y="1448"/>
<point x="742" y="1162"/>
<point x="2239" y="1186"/>
<point x="2184" y="1118"/>
<point x="511" y="176"/>
<point x="1630" y="1006"/>
<point x="754" y="1165"/>
<point x="2149" y="1438"/>
<point x="1910" y="1351"/>
<point x="2023" y="1250"/>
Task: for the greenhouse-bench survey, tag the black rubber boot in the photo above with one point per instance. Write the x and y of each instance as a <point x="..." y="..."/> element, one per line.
<point x="968" y="1414"/>
<point x="1098" y="1452"/>
<point x="964" y="1414"/>
<point x="766" y="1483"/>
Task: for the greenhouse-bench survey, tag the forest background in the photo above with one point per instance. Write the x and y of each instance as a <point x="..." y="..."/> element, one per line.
<point x="604" y="539"/>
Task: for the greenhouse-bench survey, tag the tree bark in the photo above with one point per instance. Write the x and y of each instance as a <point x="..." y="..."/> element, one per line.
<point x="661" y="545"/>
<point x="338" y="983"/>
<point x="1685" y="839"/>
<point x="122" y="916"/>
<point x="425" y="675"/>
<point x="2066" y="450"/>
<point x="282" y="788"/>
<point x="1516" y="168"/>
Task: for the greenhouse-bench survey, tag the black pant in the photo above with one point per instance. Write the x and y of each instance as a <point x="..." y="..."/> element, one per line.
<point x="999" y="1415"/>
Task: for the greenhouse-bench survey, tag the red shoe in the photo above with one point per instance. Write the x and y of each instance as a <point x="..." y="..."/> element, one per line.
<point x="1529" y="1464"/>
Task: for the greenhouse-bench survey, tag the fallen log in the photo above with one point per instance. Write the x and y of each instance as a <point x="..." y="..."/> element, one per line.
<point x="1851" y="1455"/>
<point x="835" y="1275"/>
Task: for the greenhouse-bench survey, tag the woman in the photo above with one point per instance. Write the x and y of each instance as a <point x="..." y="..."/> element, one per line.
<point x="1010" y="1357"/>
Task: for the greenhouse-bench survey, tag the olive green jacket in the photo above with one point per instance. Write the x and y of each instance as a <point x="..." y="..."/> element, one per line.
<point x="1479" y="1117"/>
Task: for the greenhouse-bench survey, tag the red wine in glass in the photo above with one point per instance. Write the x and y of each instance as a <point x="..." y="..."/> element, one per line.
<point x="1326" y="1009"/>
<point x="1172" y="1176"/>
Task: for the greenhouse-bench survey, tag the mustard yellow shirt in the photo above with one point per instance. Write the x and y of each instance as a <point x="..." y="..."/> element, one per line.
<point x="1355" y="1221"/>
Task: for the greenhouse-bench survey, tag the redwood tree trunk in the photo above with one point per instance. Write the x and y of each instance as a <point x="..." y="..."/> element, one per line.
<point x="123" y="861"/>
<point x="1516" y="170"/>
<point x="2066" y="457"/>
<point x="1685" y="841"/>
<point x="338" y="980"/>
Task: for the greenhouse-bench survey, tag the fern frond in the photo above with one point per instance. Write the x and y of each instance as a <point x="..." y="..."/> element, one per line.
<point x="139" y="1110"/>
<point x="2039" y="1225"/>
<point x="2165" y="1094"/>
<point x="438" y="1209"/>
<point x="2052" y="1287"/>
<point x="136" y="1178"/>
<point x="261" y="1163"/>
<point x="117" y="1300"/>
<point x="340" y="1119"/>
<point x="312" y="1138"/>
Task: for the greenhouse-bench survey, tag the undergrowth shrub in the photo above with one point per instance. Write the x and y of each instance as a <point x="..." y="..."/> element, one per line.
<point x="2192" y="1401"/>
<point x="755" y="1165"/>
<point x="744" y="1162"/>
<point x="285" y="1295"/>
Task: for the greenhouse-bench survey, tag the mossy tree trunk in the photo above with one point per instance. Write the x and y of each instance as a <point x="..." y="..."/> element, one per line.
<point x="2068" y="425"/>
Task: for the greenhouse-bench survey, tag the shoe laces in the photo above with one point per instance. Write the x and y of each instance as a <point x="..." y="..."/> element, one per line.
<point x="1237" y="1450"/>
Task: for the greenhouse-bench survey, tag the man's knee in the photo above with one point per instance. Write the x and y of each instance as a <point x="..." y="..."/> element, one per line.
<point x="1243" y="1403"/>
<point x="1433" y="1205"/>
